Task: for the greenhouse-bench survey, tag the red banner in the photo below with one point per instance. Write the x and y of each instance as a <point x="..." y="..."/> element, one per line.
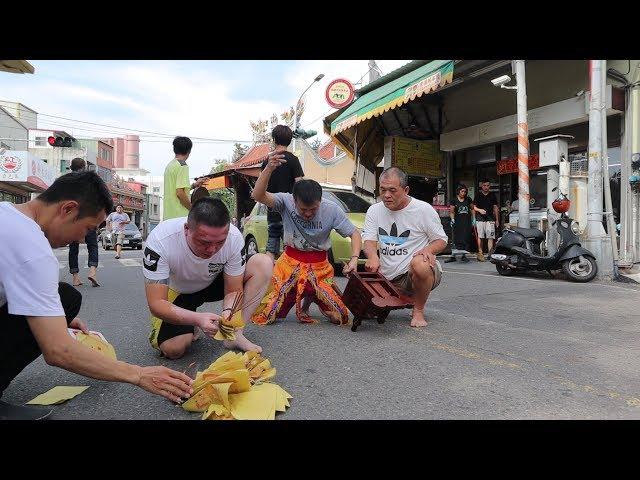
<point x="510" y="165"/>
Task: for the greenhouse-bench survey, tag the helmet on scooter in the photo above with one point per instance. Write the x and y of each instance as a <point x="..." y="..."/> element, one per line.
<point x="561" y="204"/>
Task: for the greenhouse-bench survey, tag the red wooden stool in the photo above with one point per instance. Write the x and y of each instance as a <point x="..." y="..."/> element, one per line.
<point x="370" y="296"/>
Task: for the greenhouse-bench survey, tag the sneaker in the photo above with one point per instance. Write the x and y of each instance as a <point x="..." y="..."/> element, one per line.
<point x="22" y="412"/>
<point x="450" y="259"/>
<point x="481" y="257"/>
<point x="464" y="259"/>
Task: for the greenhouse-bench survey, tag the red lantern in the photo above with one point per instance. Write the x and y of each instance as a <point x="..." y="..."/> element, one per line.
<point x="561" y="204"/>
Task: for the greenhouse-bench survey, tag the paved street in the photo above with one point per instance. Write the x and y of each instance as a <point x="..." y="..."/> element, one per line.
<point x="496" y="347"/>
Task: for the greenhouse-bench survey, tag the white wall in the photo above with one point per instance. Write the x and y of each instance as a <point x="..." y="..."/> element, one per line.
<point x="11" y="129"/>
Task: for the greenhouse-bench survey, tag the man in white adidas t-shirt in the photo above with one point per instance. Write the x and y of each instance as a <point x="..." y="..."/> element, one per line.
<point x="196" y="259"/>
<point x="35" y="309"/>
<point x="410" y="235"/>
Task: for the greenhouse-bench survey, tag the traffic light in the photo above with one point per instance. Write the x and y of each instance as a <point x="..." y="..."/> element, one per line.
<point x="300" y="133"/>
<point x="57" y="141"/>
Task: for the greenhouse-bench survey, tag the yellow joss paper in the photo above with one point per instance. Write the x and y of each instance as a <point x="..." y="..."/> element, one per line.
<point x="96" y="343"/>
<point x="238" y="378"/>
<point x="235" y="321"/>
<point x="216" y="412"/>
<point x="279" y="394"/>
<point x="57" y="395"/>
<point x="253" y="405"/>
<point x="267" y="375"/>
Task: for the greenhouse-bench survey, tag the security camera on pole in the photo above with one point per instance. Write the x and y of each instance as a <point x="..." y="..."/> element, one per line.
<point x="523" y="139"/>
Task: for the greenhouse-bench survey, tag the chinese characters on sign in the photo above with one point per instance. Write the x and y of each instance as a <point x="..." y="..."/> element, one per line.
<point x="510" y="165"/>
<point x="22" y="166"/>
<point x="416" y="157"/>
<point x="426" y="85"/>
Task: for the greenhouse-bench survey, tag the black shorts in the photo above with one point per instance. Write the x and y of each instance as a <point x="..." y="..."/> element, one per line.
<point x="162" y="331"/>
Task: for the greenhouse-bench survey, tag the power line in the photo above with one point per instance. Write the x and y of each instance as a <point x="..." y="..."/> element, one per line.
<point x="35" y="115"/>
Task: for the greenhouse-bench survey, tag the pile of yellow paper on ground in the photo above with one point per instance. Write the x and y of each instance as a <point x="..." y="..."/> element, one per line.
<point x="236" y="387"/>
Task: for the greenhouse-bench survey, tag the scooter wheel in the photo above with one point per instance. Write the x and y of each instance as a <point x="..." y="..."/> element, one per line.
<point x="504" y="271"/>
<point x="580" y="269"/>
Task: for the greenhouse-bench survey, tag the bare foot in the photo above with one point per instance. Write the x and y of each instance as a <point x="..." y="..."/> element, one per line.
<point x="241" y="343"/>
<point x="418" y="320"/>
<point x="306" y="318"/>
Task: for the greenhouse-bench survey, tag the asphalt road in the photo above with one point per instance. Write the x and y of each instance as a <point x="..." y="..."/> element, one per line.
<point x="495" y="348"/>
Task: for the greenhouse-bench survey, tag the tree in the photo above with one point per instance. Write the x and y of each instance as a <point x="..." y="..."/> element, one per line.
<point x="226" y="195"/>
<point x="238" y="151"/>
<point x="261" y="129"/>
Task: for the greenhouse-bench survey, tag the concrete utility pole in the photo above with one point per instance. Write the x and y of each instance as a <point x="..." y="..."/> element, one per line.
<point x="597" y="240"/>
<point x="374" y="71"/>
<point x="523" y="146"/>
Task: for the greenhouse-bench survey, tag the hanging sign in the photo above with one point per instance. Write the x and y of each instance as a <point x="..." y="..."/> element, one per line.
<point x="339" y="93"/>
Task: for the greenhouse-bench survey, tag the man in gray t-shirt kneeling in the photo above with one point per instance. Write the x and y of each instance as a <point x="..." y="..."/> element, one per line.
<point x="303" y="274"/>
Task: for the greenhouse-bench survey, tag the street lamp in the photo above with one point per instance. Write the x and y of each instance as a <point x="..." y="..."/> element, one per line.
<point x="523" y="139"/>
<point x="295" y="108"/>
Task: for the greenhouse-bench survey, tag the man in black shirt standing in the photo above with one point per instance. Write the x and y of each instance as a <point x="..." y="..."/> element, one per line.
<point x="282" y="180"/>
<point x="487" y="216"/>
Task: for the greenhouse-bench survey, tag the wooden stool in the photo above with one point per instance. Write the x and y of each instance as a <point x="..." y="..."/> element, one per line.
<point x="370" y="296"/>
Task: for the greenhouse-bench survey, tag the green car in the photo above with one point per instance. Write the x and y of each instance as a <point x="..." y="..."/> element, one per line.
<point x="255" y="227"/>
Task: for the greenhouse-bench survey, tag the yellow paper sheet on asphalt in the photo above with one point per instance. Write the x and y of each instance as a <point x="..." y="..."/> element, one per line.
<point x="57" y="395"/>
<point x="279" y="394"/>
<point x="253" y="405"/>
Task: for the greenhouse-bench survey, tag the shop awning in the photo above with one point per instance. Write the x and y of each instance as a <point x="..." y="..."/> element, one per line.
<point x="421" y="81"/>
<point x="16" y="66"/>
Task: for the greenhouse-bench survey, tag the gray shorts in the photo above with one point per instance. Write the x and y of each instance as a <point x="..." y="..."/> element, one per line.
<point x="486" y="229"/>
<point x="403" y="281"/>
<point x="117" y="238"/>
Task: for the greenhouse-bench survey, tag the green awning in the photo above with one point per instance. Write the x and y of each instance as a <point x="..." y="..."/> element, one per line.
<point x="423" y="80"/>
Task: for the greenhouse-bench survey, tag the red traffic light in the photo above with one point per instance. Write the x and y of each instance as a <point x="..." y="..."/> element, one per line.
<point x="56" y="141"/>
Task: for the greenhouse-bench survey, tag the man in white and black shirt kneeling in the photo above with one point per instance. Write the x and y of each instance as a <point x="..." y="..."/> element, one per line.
<point x="196" y="259"/>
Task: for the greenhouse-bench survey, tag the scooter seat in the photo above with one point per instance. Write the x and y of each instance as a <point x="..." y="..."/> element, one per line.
<point x="532" y="233"/>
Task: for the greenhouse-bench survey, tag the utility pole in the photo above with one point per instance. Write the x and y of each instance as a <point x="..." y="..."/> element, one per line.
<point x="374" y="71"/>
<point x="523" y="147"/>
<point x="597" y="240"/>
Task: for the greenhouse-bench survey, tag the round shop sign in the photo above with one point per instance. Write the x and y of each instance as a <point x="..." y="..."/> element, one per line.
<point x="339" y="93"/>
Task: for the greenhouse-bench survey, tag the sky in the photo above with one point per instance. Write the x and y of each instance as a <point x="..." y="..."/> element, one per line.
<point x="205" y="99"/>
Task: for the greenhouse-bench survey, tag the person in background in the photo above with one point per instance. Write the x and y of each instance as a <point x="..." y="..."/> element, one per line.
<point x="116" y="223"/>
<point x="462" y="221"/>
<point x="176" y="201"/>
<point x="281" y="181"/>
<point x="91" y="239"/>
<point x="487" y="216"/>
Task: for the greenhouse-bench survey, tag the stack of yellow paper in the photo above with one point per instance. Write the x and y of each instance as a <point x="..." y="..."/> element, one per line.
<point x="236" y="387"/>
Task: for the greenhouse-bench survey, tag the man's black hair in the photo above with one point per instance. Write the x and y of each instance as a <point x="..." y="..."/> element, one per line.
<point x="119" y="205"/>
<point x="485" y="180"/>
<point x="77" y="164"/>
<point x="209" y="211"/>
<point x="198" y="193"/>
<point x="282" y="135"/>
<point x="86" y="188"/>
<point x="307" y="191"/>
<point x="182" y="145"/>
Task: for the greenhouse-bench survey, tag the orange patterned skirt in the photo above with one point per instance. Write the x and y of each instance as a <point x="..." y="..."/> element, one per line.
<point x="301" y="276"/>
